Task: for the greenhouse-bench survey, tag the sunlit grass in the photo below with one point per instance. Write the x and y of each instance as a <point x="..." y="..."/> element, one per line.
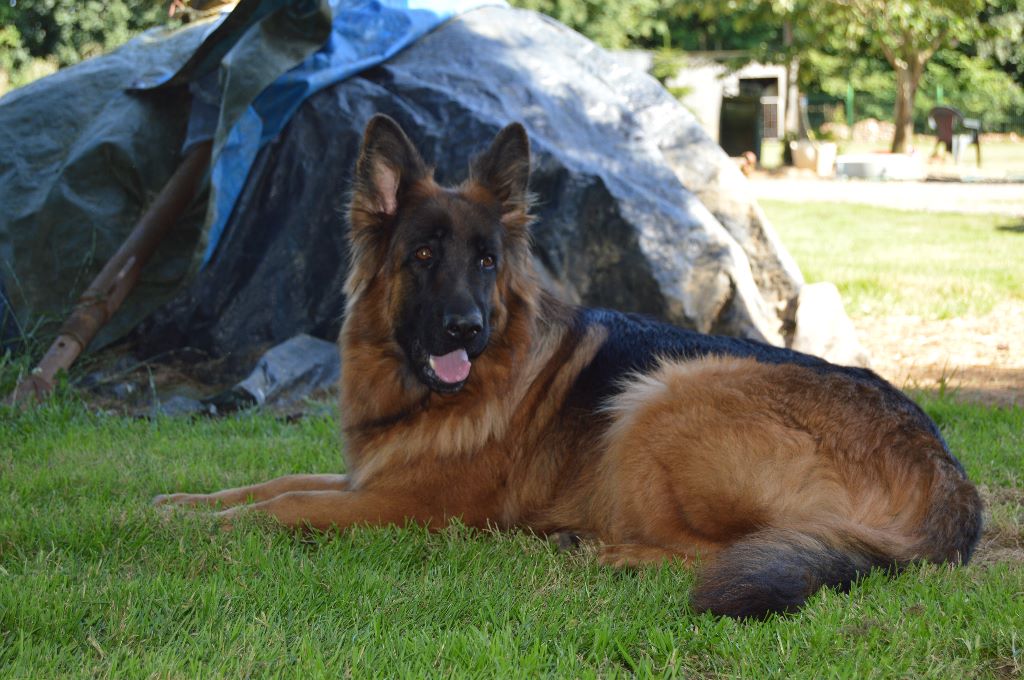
<point x="885" y="261"/>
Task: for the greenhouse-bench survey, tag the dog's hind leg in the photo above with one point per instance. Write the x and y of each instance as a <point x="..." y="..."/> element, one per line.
<point x="624" y="555"/>
<point x="258" y="492"/>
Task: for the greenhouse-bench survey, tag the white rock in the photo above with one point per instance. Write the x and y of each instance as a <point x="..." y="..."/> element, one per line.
<point x="824" y="329"/>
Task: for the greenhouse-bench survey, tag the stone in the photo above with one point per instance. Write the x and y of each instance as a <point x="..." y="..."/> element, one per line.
<point x="177" y="406"/>
<point x="293" y="370"/>
<point x="824" y="329"/>
<point x="638" y="209"/>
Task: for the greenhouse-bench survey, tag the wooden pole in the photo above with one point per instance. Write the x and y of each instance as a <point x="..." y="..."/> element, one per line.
<point x="116" y="280"/>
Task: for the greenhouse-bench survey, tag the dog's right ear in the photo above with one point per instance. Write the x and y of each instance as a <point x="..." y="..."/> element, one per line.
<point x="388" y="165"/>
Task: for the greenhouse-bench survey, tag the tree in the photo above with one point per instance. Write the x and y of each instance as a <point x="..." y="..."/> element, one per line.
<point x="615" y="24"/>
<point x="1001" y="41"/>
<point x="63" y="32"/>
<point x="907" y="34"/>
<point x="769" y="31"/>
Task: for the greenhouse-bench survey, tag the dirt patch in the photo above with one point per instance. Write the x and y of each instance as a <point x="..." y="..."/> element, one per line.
<point x="114" y="381"/>
<point x="979" y="359"/>
<point x="1003" y="538"/>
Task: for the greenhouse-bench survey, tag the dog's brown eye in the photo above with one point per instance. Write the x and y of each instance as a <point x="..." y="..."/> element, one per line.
<point x="487" y="262"/>
<point x="424" y="254"/>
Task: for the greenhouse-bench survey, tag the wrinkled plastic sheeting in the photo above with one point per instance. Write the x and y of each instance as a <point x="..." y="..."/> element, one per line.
<point x="293" y="370"/>
<point x="80" y="159"/>
<point x="70" y="201"/>
<point x="612" y="150"/>
<point x="292" y="49"/>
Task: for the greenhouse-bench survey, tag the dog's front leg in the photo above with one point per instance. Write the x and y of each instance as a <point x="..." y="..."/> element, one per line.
<point x="341" y="509"/>
<point x="258" y="492"/>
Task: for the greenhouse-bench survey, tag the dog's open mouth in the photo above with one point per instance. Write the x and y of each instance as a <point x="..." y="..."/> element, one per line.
<point x="448" y="373"/>
<point x="452" y="368"/>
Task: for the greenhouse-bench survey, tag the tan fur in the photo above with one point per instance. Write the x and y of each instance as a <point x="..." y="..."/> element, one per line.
<point x="703" y="452"/>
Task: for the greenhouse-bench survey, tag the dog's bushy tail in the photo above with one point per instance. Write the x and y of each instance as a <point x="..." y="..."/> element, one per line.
<point x="776" y="570"/>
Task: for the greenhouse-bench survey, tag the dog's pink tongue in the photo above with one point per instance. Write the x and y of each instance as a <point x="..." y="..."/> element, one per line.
<point x="452" y="367"/>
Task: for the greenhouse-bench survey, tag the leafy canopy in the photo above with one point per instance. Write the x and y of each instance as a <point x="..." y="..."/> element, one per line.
<point x="37" y="36"/>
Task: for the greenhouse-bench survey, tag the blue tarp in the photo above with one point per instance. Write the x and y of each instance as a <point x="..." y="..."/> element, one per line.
<point x="363" y="34"/>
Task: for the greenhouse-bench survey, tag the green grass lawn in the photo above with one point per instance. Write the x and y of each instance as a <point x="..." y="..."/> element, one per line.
<point x="935" y="265"/>
<point x="95" y="582"/>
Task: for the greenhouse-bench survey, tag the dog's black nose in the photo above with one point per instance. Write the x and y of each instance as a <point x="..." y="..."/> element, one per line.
<point x="463" y="326"/>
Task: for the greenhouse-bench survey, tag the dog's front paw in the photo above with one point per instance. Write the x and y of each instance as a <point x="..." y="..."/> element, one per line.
<point x="181" y="499"/>
<point x="226" y="518"/>
<point x="565" y="541"/>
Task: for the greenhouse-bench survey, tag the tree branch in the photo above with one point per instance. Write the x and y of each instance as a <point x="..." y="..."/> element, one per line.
<point x="936" y="44"/>
<point x="890" y="56"/>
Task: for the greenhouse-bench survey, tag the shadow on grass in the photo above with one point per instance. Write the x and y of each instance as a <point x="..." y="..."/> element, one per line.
<point x="1012" y="228"/>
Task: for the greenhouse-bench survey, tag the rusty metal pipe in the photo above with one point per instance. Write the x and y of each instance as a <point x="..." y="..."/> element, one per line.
<point x="116" y="280"/>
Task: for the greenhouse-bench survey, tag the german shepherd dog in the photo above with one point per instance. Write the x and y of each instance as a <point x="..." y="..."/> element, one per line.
<point x="468" y="392"/>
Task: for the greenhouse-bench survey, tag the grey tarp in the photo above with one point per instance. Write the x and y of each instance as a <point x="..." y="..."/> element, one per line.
<point x="616" y="226"/>
<point x="85" y="151"/>
<point x="80" y="159"/>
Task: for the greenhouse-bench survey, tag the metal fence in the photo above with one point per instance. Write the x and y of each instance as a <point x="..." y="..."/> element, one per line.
<point x="771" y="125"/>
<point x="823" y="109"/>
<point x="1013" y="122"/>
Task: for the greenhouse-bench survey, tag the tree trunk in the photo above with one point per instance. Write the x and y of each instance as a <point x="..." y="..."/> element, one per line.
<point x="908" y="74"/>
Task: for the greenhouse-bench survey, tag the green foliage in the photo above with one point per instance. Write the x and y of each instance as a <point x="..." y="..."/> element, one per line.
<point x="906" y="34"/>
<point x="972" y="84"/>
<point x="747" y="25"/>
<point x="13" y="54"/>
<point x="666" y="63"/>
<point x="872" y="79"/>
<point x="1001" y="41"/>
<point x="901" y="31"/>
<point x="654" y="24"/>
<point x="615" y="25"/>
<point x="835" y="42"/>
<point x="64" y="32"/>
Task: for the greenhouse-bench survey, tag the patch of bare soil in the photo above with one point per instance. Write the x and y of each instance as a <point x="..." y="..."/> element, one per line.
<point x="1003" y="537"/>
<point x="980" y="359"/>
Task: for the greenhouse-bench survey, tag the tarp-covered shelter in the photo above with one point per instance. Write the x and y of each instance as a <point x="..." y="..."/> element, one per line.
<point x="638" y="208"/>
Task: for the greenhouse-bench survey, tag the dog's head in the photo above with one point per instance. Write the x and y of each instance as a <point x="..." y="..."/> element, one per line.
<point x="438" y="260"/>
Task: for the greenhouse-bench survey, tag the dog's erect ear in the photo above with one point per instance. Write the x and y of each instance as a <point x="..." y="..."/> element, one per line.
<point x="504" y="169"/>
<point x="388" y="163"/>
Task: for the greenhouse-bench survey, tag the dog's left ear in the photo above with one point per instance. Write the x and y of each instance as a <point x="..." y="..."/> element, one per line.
<point x="504" y="169"/>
